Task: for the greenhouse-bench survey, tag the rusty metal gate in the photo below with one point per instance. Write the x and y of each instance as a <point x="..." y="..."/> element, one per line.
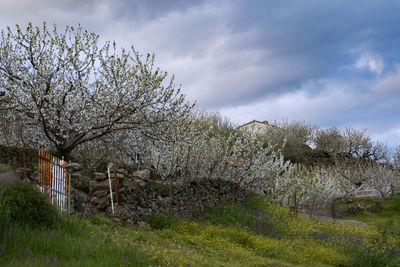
<point x="54" y="180"/>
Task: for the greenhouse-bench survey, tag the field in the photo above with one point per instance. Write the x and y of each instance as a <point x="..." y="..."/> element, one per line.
<point x="254" y="233"/>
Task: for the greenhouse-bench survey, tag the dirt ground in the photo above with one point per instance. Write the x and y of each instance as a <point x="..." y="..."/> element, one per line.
<point x="8" y="178"/>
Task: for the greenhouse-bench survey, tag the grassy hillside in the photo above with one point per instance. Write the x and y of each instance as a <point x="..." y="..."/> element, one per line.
<point x="385" y="217"/>
<point x="254" y="233"/>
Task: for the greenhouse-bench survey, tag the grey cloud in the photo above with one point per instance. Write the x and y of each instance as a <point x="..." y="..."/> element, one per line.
<point x="259" y="59"/>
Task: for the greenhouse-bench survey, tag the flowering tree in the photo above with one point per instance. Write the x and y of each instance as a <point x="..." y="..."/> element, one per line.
<point x="70" y="91"/>
<point x="382" y="178"/>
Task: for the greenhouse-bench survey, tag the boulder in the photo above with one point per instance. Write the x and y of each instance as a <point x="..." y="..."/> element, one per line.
<point x="127" y="183"/>
<point x="103" y="202"/>
<point x="79" y="181"/>
<point x="119" y="175"/>
<point x="104" y="185"/>
<point x="100" y="193"/>
<point x="122" y="171"/>
<point x="79" y="199"/>
<point x="121" y="211"/>
<point x="100" y="176"/>
<point x="143" y="175"/>
<point x="144" y="225"/>
<point x="139" y="182"/>
<point x="74" y="166"/>
<point x="89" y="209"/>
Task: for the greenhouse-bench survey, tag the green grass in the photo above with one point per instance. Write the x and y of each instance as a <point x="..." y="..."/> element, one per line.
<point x="75" y="241"/>
<point x="254" y="233"/>
<point x="385" y="218"/>
<point x="4" y="167"/>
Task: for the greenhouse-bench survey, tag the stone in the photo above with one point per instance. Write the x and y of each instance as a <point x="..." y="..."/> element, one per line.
<point x="79" y="199"/>
<point x="104" y="185"/>
<point x="100" y="193"/>
<point x="122" y="171"/>
<point x="103" y="202"/>
<point x="125" y="195"/>
<point x="80" y="182"/>
<point x="119" y="175"/>
<point x="74" y="166"/>
<point x="128" y="183"/>
<point x="143" y="175"/>
<point x="140" y="182"/>
<point x="123" y="212"/>
<point x="100" y="176"/>
<point x="116" y="219"/>
<point x="89" y="209"/>
<point x="142" y="202"/>
<point x="144" y="225"/>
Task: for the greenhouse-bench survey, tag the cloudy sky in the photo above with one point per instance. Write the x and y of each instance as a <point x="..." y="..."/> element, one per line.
<point x="332" y="63"/>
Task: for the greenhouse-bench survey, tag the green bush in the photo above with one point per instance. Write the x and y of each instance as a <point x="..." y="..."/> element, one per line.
<point x="13" y="156"/>
<point x="4" y="167"/>
<point x="162" y="221"/>
<point x="22" y="204"/>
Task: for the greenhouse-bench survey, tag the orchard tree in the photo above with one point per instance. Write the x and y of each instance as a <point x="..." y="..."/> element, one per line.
<point x="329" y="140"/>
<point x="69" y="90"/>
<point x="396" y="158"/>
<point x="359" y="145"/>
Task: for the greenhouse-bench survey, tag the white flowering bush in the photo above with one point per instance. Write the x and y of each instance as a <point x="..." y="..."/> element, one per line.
<point x="212" y="153"/>
<point x="382" y="178"/>
<point x="313" y="189"/>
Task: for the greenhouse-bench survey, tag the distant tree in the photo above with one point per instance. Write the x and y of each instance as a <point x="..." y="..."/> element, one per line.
<point x="382" y="178"/>
<point x="293" y="138"/>
<point x="297" y="131"/>
<point x="396" y="158"/>
<point x="359" y="145"/>
<point x="329" y="140"/>
<point x="301" y="131"/>
<point x="70" y="91"/>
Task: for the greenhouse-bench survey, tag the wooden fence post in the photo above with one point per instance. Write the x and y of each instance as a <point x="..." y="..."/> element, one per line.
<point x="24" y="152"/>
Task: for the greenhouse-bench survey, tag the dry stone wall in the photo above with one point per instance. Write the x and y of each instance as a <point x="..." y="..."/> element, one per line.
<point x="139" y="196"/>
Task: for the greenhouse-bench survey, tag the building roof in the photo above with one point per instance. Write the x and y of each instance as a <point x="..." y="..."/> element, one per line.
<point x="254" y="121"/>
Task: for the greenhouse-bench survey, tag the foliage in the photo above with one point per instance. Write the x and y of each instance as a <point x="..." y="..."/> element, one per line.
<point x="385" y="217"/>
<point x="396" y="158"/>
<point x="240" y="157"/>
<point x="254" y="232"/>
<point x="73" y="241"/>
<point x="329" y="140"/>
<point x="13" y="156"/>
<point x="4" y="167"/>
<point x="23" y="204"/>
<point x="162" y="222"/>
<point x="64" y="90"/>
<point x="352" y="142"/>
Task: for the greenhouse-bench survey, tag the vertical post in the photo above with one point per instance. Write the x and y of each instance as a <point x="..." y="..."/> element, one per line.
<point x="187" y="162"/>
<point x="24" y="152"/>
<point x="116" y="185"/>
<point x="69" y="188"/>
<point x="111" y="193"/>
<point x="137" y="156"/>
<point x="40" y="169"/>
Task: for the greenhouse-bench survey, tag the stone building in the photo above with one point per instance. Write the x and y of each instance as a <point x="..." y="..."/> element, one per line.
<point x="256" y="127"/>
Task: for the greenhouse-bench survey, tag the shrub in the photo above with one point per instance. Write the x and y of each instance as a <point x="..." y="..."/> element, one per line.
<point x="22" y="204"/>
<point x="162" y="221"/>
<point x="4" y="167"/>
